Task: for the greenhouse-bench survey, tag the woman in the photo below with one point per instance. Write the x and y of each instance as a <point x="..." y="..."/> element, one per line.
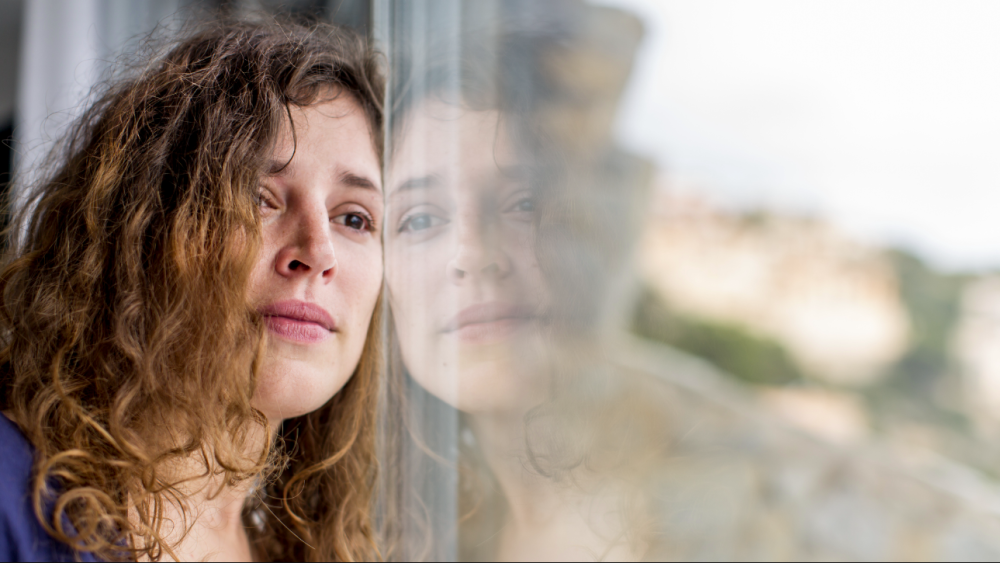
<point x="190" y="311"/>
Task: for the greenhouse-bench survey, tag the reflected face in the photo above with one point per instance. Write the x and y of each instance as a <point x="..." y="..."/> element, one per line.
<point x="320" y="270"/>
<point x="467" y="295"/>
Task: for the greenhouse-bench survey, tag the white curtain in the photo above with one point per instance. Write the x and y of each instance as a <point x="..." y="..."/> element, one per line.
<point x="67" y="47"/>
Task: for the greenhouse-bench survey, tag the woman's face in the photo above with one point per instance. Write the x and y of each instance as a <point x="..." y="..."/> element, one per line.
<point x="320" y="269"/>
<point x="467" y="295"/>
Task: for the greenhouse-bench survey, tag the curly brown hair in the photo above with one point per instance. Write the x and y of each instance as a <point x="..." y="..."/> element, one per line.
<point x="147" y="226"/>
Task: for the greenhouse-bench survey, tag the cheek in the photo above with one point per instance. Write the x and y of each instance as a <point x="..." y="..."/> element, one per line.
<point x="420" y="297"/>
<point x="536" y="287"/>
<point x="263" y="271"/>
<point x="416" y="276"/>
<point x="530" y="281"/>
<point x="361" y="279"/>
<point x="259" y="280"/>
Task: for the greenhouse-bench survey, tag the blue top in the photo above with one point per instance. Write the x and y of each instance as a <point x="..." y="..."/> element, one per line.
<point x="22" y="537"/>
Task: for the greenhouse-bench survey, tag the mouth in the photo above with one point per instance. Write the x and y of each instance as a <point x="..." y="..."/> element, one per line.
<point x="298" y="321"/>
<point x="489" y="322"/>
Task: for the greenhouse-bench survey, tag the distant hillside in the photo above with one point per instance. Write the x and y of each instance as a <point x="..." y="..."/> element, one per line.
<point x="784" y="302"/>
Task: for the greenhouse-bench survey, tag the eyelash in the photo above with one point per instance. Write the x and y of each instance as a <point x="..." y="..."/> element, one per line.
<point x="264" y="198"/>
<point x="369" y="221"/>
<point x="529" y="199"/>
<point x="406" y="222"/>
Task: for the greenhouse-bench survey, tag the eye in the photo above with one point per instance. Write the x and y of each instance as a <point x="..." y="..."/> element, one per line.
<point x="354" y="220"/>
<point x="523" y="205"/>
<point x="266" y="201"/>
<point x="526" y="205"/>
<point x="420" y="222"/>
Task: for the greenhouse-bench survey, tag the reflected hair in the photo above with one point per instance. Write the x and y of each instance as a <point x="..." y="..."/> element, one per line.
<point x="127" y="342"/>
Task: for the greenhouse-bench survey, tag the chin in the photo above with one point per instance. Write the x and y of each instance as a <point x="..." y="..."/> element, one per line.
<point x="484" y="388"/>
<point x="290" y="389"/>
<point x="494" y="378"/>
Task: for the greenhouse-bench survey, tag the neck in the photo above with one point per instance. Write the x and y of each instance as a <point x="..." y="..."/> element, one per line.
<point x="214" y="525"/>
<point x="548" y="520"/>
<point x="213" y="514"/>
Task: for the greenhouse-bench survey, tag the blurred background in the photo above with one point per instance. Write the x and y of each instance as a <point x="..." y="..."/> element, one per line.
<point x="822" y="226"/>
<point x="820" y="180"/>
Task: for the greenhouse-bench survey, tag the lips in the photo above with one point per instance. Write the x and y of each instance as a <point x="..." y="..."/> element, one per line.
<point x="298" y="321"/>
<point x="488" y="321"/>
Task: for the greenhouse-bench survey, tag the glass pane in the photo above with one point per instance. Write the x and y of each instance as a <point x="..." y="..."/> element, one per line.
<point x="703" y="280"/>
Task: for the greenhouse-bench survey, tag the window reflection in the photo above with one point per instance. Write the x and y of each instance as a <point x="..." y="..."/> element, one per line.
<point x="525" y="419"/>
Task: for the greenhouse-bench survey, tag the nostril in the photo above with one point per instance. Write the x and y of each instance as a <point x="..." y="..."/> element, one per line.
<point x="295" y="265"/>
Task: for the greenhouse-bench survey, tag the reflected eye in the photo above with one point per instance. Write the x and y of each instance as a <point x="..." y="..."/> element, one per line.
<point x="526" y="205"/>
<point x="356" y="221"/>
<point x="420" y="222"/>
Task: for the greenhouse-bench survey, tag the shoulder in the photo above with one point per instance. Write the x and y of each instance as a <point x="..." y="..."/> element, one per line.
<point x="22" y="537"/>
<point x="18" y="526"/>
<point x="15" y="453"/>
<point x="15" y="468"/>
<point x="15" y="504"/>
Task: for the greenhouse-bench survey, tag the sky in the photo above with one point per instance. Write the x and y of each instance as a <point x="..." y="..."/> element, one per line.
<point x="882" y="116"/>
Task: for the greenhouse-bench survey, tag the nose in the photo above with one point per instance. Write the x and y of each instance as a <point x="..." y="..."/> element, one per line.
<point x="479" y="254"/>
<point x="310" y="251"/>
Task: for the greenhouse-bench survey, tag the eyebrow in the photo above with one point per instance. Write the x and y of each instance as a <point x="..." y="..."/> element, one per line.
<point x="355" y="181"/>
<point x="517" y="173"/>
<point x="417" y="183"/>
<point x="278" y="167"/>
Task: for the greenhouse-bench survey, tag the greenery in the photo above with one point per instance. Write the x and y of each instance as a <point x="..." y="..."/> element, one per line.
<point x="924" y="383"/>
<point x="738" y="352"/>
<point x="922" y="390"/>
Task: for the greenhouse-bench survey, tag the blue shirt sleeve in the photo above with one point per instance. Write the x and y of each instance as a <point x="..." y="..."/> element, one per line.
<point x="22" y="537"/>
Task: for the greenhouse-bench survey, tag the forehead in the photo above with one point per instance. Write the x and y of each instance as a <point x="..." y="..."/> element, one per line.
<point x="446" y="140"/>
<point x="333" y="133"/>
